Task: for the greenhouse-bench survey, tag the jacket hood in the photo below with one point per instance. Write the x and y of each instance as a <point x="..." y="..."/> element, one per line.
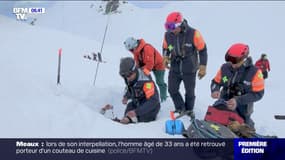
<point x="140" y="46"/>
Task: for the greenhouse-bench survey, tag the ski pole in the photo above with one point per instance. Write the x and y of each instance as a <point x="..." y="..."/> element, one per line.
<point x="59" y="64"/>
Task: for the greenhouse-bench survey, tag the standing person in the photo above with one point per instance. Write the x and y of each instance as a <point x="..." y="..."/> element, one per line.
<point x="141" y="90"/>
<point x="241" y="82"/>
<point x="263" y="65"/>
<point x="148" y="59"/>
<point x="185" y="50"/>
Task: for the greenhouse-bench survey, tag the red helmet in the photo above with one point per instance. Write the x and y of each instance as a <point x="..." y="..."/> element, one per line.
<point x="237" y="52"/>
<point x="174" y="17"/>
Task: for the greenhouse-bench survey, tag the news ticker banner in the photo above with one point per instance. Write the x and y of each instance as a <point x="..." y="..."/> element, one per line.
<point x="141" y="149"/>
<point x="114" y="149"/>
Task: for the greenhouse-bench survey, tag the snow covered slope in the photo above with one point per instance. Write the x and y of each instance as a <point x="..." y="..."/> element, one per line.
<point x="32" y="105"/>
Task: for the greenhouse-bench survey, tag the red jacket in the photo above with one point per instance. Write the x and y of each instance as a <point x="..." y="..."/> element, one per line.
<point x="263" y="65"/>
<point x="147" y="57"/>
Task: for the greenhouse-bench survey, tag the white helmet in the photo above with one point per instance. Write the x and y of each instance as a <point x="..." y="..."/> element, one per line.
<point x="131" y="43"/>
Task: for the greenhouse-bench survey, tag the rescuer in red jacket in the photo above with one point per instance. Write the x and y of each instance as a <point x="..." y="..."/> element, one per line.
<point x="263" y="65"/>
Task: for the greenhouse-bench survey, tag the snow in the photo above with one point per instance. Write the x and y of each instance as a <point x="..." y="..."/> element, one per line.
<point x="33" y="105"/>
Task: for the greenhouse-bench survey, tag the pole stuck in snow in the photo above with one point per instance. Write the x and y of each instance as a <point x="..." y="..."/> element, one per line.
<point x="100" y="53"/>
<point x="102" y="45"/>
<point x="59" y="64"/>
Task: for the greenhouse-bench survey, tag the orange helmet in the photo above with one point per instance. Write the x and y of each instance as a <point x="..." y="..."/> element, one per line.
<point x="237" y="52"/>
<point x="174" y="17"/>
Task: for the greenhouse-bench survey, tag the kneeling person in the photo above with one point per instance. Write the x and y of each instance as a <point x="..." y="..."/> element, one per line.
<point x="239" y="82"/>
<point x="144" y="102"/>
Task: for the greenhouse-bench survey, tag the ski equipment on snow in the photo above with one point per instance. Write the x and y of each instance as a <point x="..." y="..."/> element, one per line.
<point x="94" y="57"/>
<point x="279" y="117"/>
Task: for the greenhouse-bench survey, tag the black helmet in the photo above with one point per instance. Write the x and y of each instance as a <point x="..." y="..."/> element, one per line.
<point x="127" y="66"/>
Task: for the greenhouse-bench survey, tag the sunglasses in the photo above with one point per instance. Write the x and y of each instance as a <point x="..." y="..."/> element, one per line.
<point x="170" y="26"/>
<point x="232" y="59"/>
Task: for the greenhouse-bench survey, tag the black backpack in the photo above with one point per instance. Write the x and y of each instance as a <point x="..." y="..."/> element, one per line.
<point x="206" y="129"/>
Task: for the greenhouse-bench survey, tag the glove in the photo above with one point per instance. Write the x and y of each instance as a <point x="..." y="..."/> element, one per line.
<point x="146" y="71"/>
<point x="216" y="94"/>
<point x="166" y="61"/>
<point x="202" y="71"/>
<point x="105" y="108"/>
<point x="232" y="104"/>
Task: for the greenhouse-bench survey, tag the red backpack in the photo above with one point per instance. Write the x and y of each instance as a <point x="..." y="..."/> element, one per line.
<point x="219" y="114"/>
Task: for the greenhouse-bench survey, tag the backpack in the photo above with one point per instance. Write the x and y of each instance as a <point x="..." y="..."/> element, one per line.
<point x="207" y="129"/>
<point x="224" y="117"/>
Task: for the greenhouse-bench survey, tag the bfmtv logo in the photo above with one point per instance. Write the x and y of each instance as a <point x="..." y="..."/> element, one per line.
<point x="21" y="13"/>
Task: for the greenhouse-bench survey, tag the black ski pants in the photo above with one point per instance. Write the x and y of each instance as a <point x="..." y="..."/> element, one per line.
<point x="265" y="74"/>
<point x="189" y="81"/>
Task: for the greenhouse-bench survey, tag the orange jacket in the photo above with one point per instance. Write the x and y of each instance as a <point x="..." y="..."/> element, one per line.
<point x="147" y="57"/>
<point x="198" y="41"/>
